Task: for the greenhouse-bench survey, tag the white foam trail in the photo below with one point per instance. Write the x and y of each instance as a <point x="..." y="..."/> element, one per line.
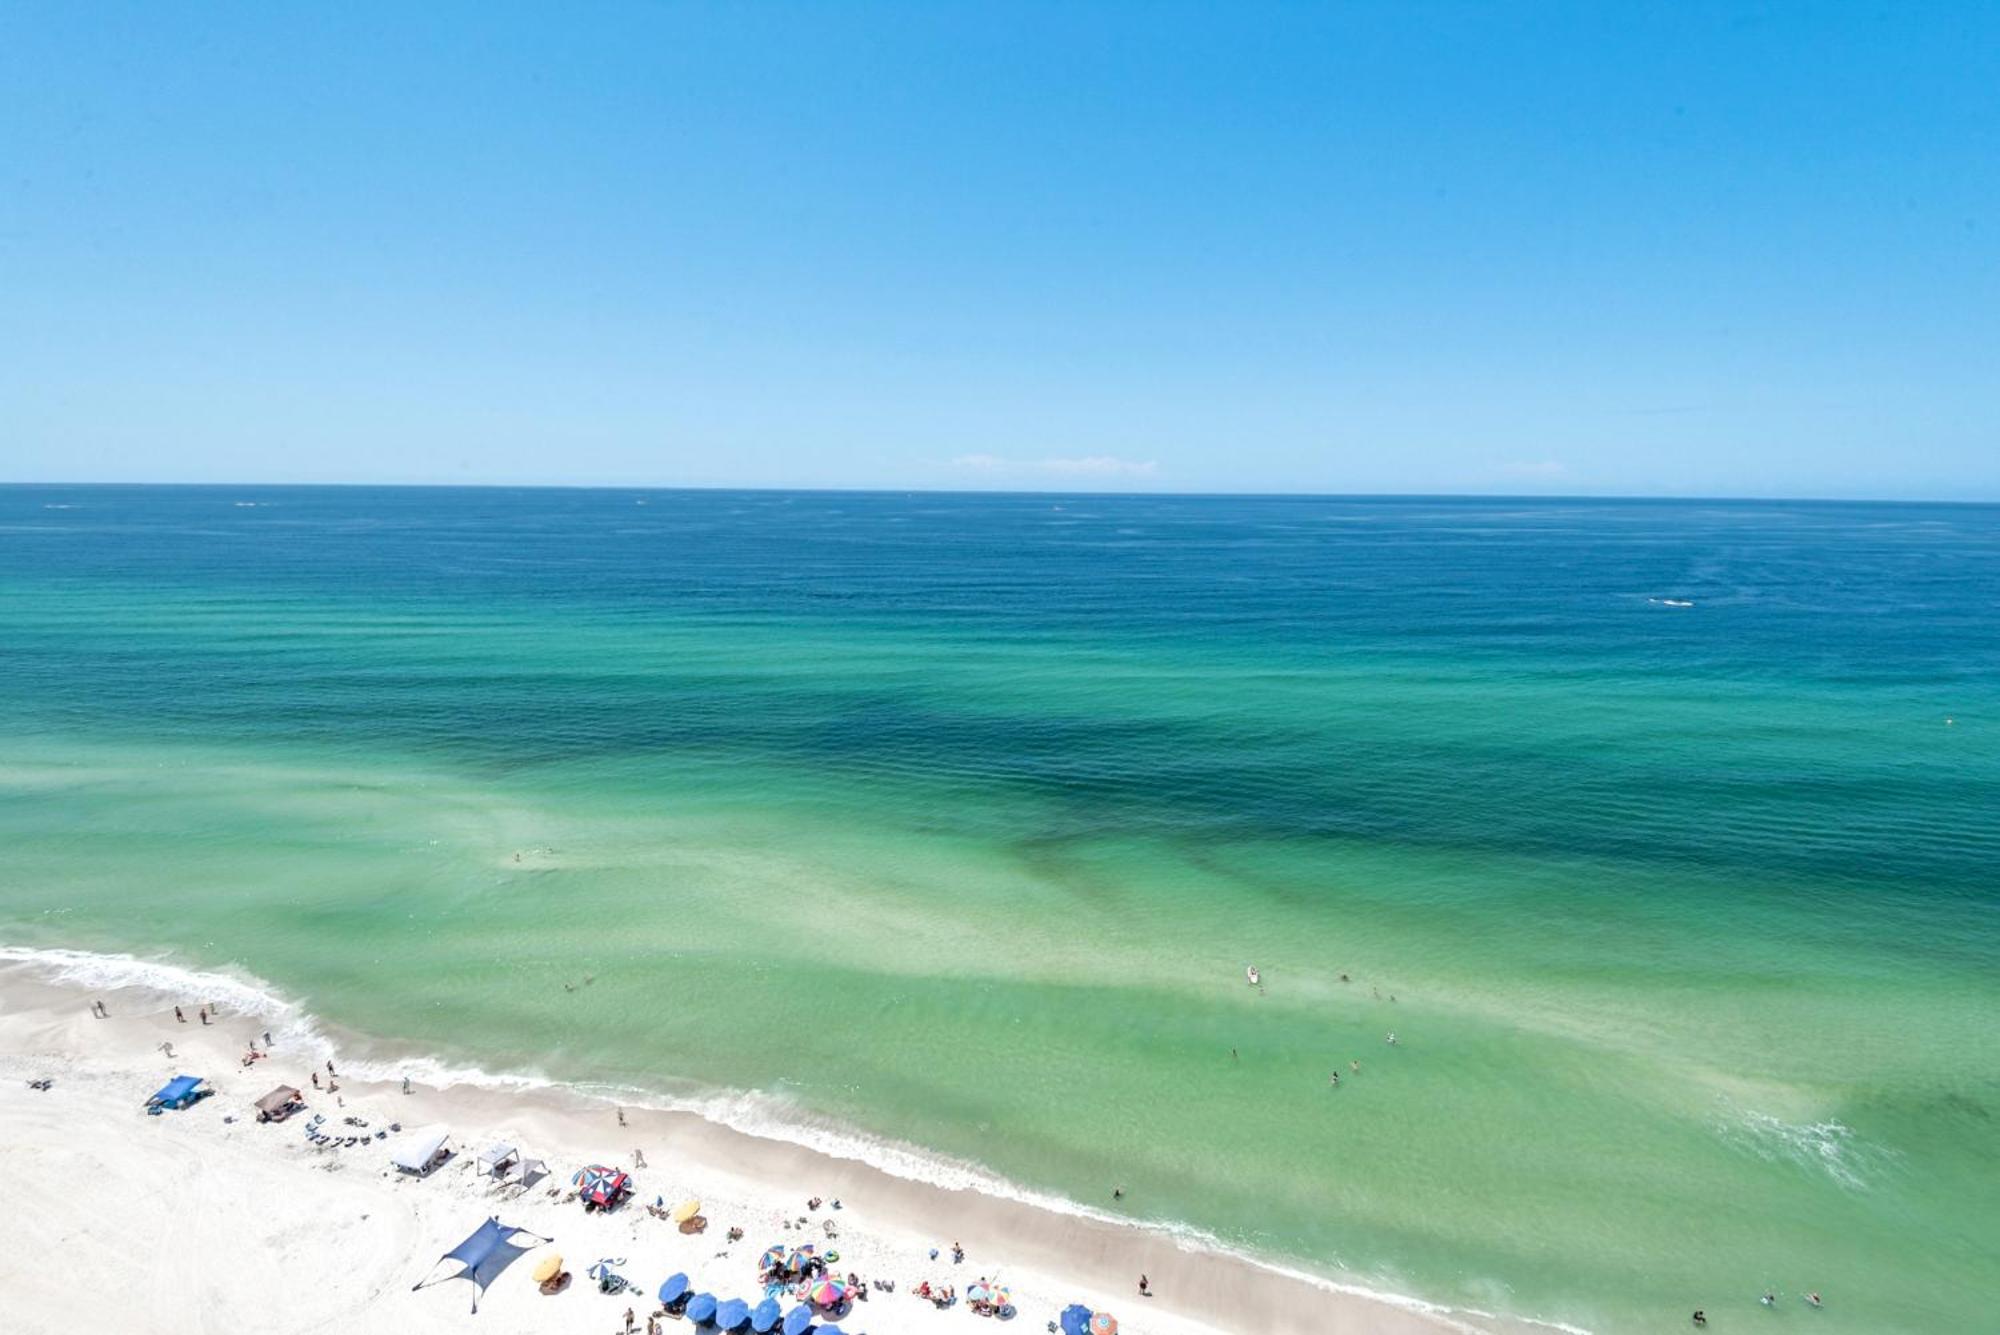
<point x="749" y="1112"/>
<point x="1829" y="1146"/>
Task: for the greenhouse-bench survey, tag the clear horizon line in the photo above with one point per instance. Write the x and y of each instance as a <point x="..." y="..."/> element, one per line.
<point x="1191" y="494"/>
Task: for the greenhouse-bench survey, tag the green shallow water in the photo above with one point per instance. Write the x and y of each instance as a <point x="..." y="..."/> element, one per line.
<point x="954" y="821"/>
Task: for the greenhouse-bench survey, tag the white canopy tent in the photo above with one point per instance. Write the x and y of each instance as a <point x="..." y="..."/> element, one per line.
<point x="422" y="1150"/>
<point x="497" y="1161"/>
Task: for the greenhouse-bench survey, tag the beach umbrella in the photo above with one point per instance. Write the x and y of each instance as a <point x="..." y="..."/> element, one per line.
<point x="801" y="1258"/>
<point x="774" y="1258"/>
<point x="1103" y="1323"/>
<point x="1075" y="1320"/>
<point x="685" y="1211"/>
<point x="701" y="1307"/>
<point x="674" y="1289"/>
<point x="977" y="1293"/>
<point x="826" y="1293"/>
<point x="999" y="1296"/>
<point x="547" y="1268"/>
<point x="828" y="1330"/>
<point x="730" y="1315"/>
<point x="764" y="1316"/>
<point x="798" y="1320"/>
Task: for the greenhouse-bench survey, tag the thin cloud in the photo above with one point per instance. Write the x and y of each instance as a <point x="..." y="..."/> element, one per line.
<point x="1089" y="465"/>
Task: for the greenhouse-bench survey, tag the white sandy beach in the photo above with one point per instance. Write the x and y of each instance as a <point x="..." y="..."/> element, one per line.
<point x="189" y="1222"/>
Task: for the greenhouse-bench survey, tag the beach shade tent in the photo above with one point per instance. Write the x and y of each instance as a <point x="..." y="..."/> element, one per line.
<point x="701" y="1308"/>
<point x="764" y="1316"/>
<point x="1102" y="1323"/>
<point x="601" y="1186"/>
<point x="496" y="1161"/>
<point x="1075" y="1320"/>
<point x="530" y="1171"/>
<point x="798" y="1320"/>
<point x="279" y="1104"/>
<point x="674" y="1290"/>
<point x="732" y="1314"/>
<point x="422" y="1150"/>
<point x="490" y="1249"/>
<point x="177" y="1093"/>
<point x="826" y="1293"/>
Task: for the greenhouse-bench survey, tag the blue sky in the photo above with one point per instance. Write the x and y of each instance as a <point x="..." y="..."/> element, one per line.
<point x="1745" y="249"/>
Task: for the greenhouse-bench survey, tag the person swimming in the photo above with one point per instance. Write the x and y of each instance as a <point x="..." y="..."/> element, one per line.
<point x="1813" y="1298"/>
<point x="1250" y="972"/>
<point x="1769" y="1299"/>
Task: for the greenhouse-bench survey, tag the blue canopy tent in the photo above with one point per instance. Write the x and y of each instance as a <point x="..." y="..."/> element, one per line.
<point x="1075" y="1320"/>
<point x="732" y="1314"/>
<point x="177" y="1093"/>
<point x="482" y="1256"/>
<point x="674" y="1290"/>
<point x="798" y="1320"/>
<point x="701" y="1308"/>
<point x="764" y="1316"/>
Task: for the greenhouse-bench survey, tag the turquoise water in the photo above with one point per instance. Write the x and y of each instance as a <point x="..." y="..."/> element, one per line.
<point x="954" y="821"/>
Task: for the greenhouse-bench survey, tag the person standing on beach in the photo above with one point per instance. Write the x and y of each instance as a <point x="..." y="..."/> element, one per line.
<point x="178" y="1016"/>
<point x="621" y="1117"/>
<point x="204" y="1015"/>
<point x="1145" y="1287"/>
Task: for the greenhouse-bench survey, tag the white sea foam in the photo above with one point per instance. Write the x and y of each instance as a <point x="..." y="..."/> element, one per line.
<point x="770" y="1116"/>
<point x="1827" y="1146"/>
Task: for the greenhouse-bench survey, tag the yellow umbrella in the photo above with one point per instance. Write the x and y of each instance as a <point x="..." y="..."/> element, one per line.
<point x="685" y="1211"/>
<point x="547" y="1268"/>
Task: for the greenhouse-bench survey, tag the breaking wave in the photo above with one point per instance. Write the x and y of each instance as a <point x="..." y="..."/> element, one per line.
<point x="769" y="1116"/>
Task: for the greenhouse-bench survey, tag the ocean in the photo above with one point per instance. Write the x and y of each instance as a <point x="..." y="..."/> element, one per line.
<point x="1664" y="836"/>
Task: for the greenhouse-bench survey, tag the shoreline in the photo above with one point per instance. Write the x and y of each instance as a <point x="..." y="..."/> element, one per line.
<point x="1050" y="1253"/>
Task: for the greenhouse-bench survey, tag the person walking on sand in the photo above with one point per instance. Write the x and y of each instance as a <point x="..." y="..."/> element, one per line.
<point x="1145" y="1287"/>
<point x="267" y="1038"/>
<point x="204" y="1015"/>
<point x="168" y="1048"/>
<point x="178" y="1016"/>
<point x="329" y="1067"/>
<point x="621" y="1117"/>
<point x="406" y="1084"/>
<point x="315" y="1079"/>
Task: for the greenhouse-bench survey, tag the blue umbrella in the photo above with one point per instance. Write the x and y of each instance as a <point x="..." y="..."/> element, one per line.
<point x="674" y="1289"/>
<point x="831" y="1330"/>
<point x="764" y="1316"/>
<point x="798" y="1320"/>
<point x="730" y="1315"/>
<point x="1075" y="1320"/>
<point x="701" y="1307"/>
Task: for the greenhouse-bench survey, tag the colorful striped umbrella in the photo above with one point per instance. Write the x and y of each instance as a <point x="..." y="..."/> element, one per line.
<point x="977" y="1293"/>
<point x="826" y="1293"/>
<point x="998" y="1295"/>
<point x="774" y="1258"/>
